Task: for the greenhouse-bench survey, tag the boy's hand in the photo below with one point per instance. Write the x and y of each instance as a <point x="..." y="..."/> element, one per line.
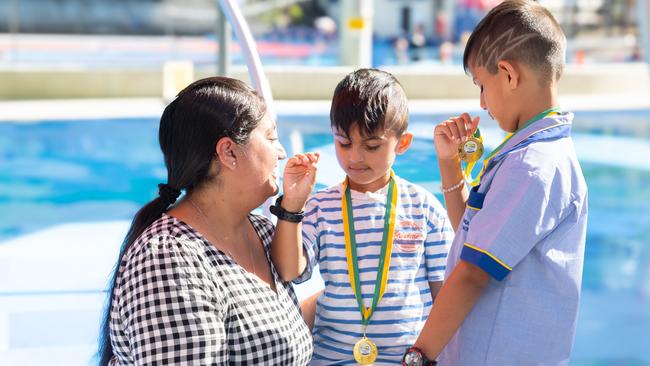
<point x="450" y="133"/>
<point x="298" y="180"/>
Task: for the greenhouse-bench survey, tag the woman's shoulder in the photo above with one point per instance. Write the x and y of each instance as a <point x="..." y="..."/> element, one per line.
<point x="165" y="235"/>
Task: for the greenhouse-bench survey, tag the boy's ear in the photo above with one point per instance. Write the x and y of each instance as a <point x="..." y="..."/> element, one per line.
<point x="510" y="71"/>
<point x="404" y="142"/>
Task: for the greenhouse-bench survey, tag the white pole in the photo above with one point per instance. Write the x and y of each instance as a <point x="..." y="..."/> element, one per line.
<point x="231" y="10"/>
<point x="643" y="14"/>
<point x="239" y="25"/>
<point x="356" y="32"/>
<point x="223" y="68"/>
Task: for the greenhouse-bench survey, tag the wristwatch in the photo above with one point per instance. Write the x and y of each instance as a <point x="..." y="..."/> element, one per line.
<point x="415" y="357"/>
<point x="285" y="215"/>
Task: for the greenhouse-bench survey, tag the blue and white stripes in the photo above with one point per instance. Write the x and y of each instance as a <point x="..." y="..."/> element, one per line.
<point x="421" y="242"/>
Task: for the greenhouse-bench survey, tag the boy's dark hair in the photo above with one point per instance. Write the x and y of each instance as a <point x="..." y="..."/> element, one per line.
<point x="371" y="98"/>
<point x="521" y="31"/>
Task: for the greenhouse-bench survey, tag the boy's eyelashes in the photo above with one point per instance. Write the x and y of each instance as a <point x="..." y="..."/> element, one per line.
<point x="347" y="145"/>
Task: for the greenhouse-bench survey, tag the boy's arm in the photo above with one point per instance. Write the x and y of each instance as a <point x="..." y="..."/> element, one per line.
<point x="455" y="300"/>
<point x="435" y="289"/>
<point x="446" y="138"/>
<point x="436" y="246"/>
<point x="451" y="174"/>
<point x="308" y="309"/>
<point x="286" y="248"/>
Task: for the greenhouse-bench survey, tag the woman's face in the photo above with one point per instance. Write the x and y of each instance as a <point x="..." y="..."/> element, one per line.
<point x="262" y="153"/>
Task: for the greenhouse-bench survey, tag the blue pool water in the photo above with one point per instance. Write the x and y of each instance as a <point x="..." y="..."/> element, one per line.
<point x="60" y="172"/>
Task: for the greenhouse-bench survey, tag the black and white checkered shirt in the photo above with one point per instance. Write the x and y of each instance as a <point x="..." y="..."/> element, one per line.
<point x="178" y="300"/>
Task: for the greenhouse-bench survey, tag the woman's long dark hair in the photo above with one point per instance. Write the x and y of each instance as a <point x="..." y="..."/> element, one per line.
<point x="190" y="127"/>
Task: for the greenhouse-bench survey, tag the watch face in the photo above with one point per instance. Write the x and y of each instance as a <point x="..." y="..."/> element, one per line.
<point x="413" y="358"/>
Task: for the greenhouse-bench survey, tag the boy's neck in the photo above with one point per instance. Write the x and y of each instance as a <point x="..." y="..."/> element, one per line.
<point x="369" y="187"/>
<point x="536" y="101"/>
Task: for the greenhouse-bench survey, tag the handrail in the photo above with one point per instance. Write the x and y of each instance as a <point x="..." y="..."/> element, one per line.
<point x="231" y="10"/>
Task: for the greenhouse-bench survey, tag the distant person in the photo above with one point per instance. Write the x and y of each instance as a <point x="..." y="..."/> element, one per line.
<point x="441" y="25"/>
<point x="194" y="283"/>
<point x="401" y="48"/>
<point x="417" y="42"/>
<point x="446" y="52"/>
<point x="381" y="241"/>
<point x="513" y="279"/>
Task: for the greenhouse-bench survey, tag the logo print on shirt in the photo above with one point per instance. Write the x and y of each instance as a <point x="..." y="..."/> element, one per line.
<point x="413" y="236"/>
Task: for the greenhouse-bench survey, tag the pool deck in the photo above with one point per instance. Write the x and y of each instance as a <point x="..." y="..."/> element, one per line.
<point x="44" y="110"/>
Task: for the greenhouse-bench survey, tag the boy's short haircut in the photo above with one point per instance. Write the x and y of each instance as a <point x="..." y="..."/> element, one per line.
<point x="520" y="31"/>
<point x="371" y="98"/>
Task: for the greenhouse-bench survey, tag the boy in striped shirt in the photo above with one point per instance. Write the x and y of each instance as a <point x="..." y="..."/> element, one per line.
<point x="381" y="242"/>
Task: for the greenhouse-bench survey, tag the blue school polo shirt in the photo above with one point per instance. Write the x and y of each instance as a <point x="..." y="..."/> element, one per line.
<point x="525" y="225"/>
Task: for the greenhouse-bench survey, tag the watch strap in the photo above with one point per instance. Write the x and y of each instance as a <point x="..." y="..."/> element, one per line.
<point x="424" y="360"/>
<point x="285" y="215"/>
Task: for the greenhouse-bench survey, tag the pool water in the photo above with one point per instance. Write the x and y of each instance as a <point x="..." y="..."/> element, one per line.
<point x="91" y="171"/>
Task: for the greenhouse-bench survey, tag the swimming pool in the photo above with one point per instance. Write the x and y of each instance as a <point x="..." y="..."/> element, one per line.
<point x="97" y="173"/>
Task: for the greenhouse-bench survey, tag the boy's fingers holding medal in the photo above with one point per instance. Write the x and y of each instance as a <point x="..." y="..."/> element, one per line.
<point x="442" y="129"/>
<point x="445" y="139"/>
<point x="464" y="126"/>
<point x="454" y="129"/>
<point x="473" y="124"/>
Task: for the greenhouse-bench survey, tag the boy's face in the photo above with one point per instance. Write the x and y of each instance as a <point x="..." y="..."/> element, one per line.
<point x="367" y="160"/>
<point x="495" y="96"/>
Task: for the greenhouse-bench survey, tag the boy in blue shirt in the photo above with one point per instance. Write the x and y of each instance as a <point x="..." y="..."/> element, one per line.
<point x="514" y="273"/>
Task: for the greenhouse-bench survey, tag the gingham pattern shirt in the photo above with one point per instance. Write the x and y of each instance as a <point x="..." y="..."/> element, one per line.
<point x="178" y="300"/>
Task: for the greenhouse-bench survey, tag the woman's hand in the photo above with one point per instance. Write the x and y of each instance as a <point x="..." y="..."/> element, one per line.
<point x="298" y="180"/>
<point x="450" y="133"/>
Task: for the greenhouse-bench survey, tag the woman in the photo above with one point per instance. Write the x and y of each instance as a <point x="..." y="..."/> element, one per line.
<point x="194" y="282"/>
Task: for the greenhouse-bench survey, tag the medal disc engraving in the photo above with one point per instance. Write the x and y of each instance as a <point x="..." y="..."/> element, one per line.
<point x="365" y="351"/>
<point x="470" y="150"/>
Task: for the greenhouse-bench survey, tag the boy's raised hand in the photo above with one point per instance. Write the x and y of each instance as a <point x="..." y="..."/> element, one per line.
<point x="298" y="180"/>
<point x="449" y="134"/>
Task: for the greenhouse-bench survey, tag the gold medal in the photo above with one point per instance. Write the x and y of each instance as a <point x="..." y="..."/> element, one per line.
<point x="365" y="351"/>
<point x="471" y="150"/>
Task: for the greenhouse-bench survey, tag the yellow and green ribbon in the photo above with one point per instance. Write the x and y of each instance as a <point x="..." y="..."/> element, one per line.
<point x="467" y="172"/>
<point x="386" y="247"/>
<point x="468" y="169"/>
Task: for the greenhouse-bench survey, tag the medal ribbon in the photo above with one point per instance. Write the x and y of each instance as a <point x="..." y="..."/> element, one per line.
<point x="468" y="169"/>
<point x="386" y="247"/>
<point x="467" y="172"/>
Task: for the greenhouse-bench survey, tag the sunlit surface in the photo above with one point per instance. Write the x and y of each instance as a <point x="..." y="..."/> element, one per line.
<point x="68" y="189"/>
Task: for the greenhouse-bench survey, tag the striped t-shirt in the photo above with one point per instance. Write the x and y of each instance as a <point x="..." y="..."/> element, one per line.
<point x="421" y="241"/>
